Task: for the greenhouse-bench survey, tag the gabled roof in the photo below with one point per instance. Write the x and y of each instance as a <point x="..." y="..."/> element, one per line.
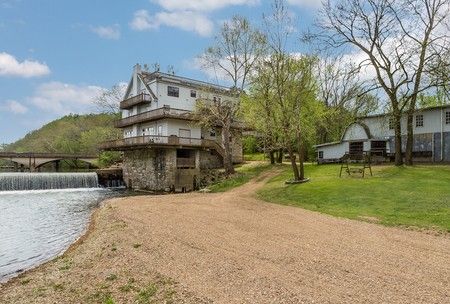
<point x="447" y="106"/>
<point x="148" y="77"/>
<point x="363" y="125"/>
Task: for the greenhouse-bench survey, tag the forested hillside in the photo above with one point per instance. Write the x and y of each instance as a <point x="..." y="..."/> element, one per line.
<point x="69" y="134"/>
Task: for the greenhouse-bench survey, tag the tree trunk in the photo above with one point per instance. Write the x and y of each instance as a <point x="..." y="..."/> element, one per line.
<point x="272" y="157"/>
<point x="280" y="156"/>
<point x="294" y="164"/>
<point x="228" y="158"/>
<point x="301" y="156"/>
<point x="398" y="139"/>
<point x="409" y="140"/>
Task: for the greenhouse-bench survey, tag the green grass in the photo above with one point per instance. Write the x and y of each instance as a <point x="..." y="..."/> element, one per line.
<point x="243" y="174"/>
<point x="146" y="294"/>
<point x="255" y="156"/>
<point x="416" y="196"/>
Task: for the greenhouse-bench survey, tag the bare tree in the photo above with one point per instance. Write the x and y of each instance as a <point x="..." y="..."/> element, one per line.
<point x="236" y="50"/>
<point x="401" y="41"/>
<point x="109" y="100"/>
<point x="342" y="93"/>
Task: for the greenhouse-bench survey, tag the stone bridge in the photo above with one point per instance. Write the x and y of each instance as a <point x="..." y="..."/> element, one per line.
<point x="33" y="161"/>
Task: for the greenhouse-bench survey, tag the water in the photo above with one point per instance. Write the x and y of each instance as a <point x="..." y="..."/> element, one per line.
<point x="36" y="226"/>
<point x="35" y="181"/>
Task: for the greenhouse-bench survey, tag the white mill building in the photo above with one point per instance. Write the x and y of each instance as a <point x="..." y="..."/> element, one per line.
<point x="164" y="148"/>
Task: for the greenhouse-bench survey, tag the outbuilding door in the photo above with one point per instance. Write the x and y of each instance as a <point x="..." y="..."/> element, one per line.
<point x="356" y="147"/>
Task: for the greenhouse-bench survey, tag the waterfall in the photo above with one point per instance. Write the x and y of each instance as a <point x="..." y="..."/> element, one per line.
<point x="41" y="181"/>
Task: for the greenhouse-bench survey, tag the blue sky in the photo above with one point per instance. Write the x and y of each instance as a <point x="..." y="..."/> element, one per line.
<point x="55" y="56"/>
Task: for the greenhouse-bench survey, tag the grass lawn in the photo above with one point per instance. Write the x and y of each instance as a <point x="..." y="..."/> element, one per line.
<point x="243" y="174"/>
<point x="255" y="157"/>
<point x="412" y="196"/>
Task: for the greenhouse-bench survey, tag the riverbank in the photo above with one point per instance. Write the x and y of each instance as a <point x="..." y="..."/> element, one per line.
<point x="232" y="248"/>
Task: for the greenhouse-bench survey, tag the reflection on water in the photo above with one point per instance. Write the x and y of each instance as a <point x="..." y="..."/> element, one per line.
<point x="35" y="226"/>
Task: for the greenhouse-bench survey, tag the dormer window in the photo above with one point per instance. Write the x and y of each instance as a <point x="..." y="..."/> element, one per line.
<point x="193" y="93"/>
<point x="173" y="91"/>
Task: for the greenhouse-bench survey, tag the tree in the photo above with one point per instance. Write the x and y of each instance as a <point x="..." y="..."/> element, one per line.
<point x="401" y="40"/>
<point x="236" y="50"/>
<point x="259" y="110"/>
<point x="108" y="101"/>
<point x="342" y="93"/>
<point x="293" y="88"/>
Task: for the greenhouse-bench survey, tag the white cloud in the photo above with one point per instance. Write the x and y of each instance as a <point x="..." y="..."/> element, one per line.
<point x="306" y="3"/>
<point x="107" y="32"/>
<point x="62" y="98"/>
<point x="201" y="5"/>
<point x="10" y="66"/>
<point x="185" y="20"/>
<point x="187" y="15"/>
<point x="14" y="106"/>
<point x="142" y="21"/>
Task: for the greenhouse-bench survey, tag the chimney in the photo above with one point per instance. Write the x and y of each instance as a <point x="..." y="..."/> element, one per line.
<point x="137" y="68"/>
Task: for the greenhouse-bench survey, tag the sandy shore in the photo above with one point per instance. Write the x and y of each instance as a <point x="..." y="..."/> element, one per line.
<point x="233" y="248"/>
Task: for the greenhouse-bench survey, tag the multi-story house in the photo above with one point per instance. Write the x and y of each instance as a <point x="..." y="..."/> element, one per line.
<point x="164" y="148"/>
<point x="375" y="134"/>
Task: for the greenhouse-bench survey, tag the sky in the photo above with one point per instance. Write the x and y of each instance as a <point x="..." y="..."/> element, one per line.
<point x="57" y="55"/>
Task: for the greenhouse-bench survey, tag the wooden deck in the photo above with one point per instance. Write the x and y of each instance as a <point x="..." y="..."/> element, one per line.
<point x="140" y="142"/>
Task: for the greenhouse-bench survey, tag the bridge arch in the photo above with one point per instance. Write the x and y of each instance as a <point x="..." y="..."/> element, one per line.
<point x="33" y="161"/>
<point x="87" y="161"/>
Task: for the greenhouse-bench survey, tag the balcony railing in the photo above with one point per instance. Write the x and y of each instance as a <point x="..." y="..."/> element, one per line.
<point x="135" y="100"/>
<point x="154" y="140"/>
<point x="164" y="112"/>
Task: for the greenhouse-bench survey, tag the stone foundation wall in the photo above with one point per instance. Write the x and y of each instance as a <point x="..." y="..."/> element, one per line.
<point x="156" y="170"/>
<point x="210" y="160"/>
<point x="150" y="169"/>
<point x="237" y="148"/>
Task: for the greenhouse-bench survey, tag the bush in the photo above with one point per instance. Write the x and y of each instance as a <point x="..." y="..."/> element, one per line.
<point x="250" y="145"/>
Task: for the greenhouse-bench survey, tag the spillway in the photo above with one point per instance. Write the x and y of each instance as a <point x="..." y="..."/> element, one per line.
<point x="43" y="181"/>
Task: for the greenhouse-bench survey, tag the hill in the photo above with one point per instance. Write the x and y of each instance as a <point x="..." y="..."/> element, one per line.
<point x="75" y="134"/>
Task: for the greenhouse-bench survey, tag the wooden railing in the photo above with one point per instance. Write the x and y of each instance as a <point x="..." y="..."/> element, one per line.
<point x="164" y="112"/>
<point x="135" y="100"/>
<point x="154" y="140"/>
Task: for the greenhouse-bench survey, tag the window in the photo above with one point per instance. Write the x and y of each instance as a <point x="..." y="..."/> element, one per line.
<point x="419" y="120"/>
<point x="447" y="118"/>
<point x="320" y="154"/>
<point x="159" y="130"/>
<point x="173" y="91"/>
<point x="193" y="93"/>
<point x="391" y="123"/>
<point x="212" y="133"/>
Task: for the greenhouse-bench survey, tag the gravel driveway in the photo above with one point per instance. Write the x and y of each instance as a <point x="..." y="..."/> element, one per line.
<point x="232" y="248"/>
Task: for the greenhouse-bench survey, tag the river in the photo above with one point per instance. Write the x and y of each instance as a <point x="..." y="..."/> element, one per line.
<point x="37" y="225"/>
